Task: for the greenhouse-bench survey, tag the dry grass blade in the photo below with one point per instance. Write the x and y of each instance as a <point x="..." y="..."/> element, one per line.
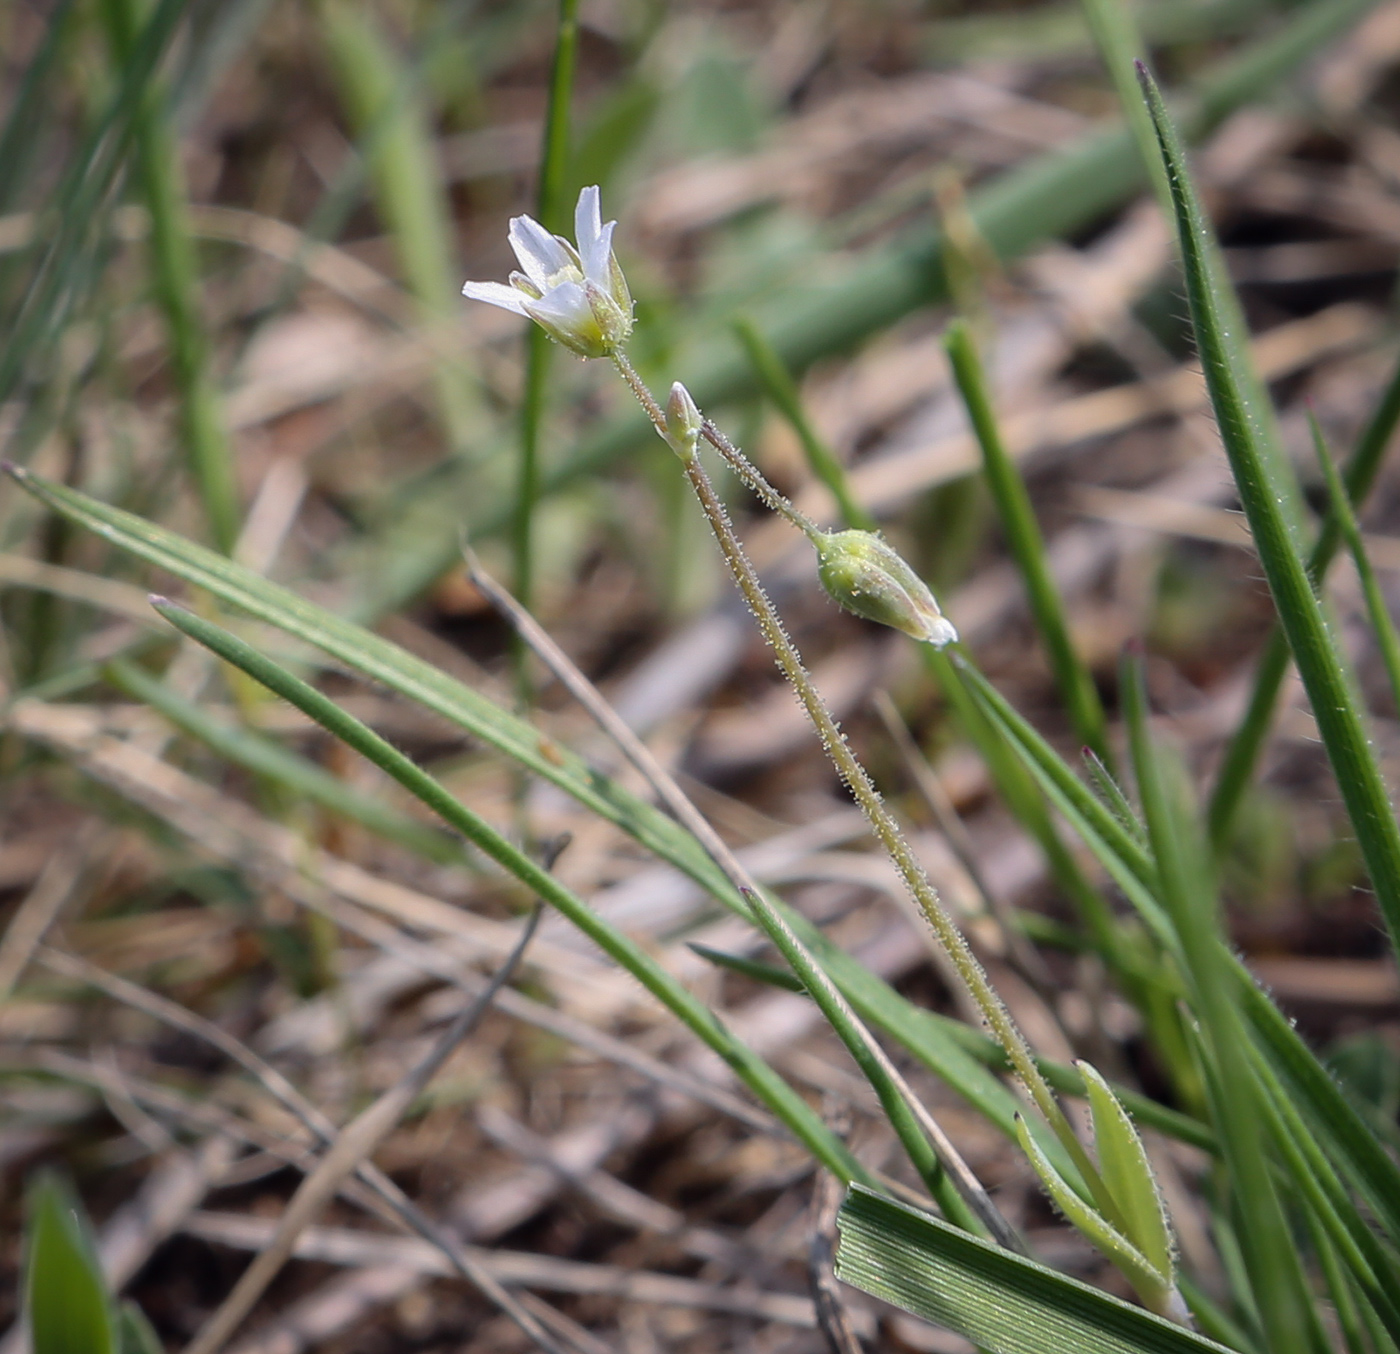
<point x="42" y="905"/>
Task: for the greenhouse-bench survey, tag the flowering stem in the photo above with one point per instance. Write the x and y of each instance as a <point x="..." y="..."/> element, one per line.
<point x="858" y="779"/>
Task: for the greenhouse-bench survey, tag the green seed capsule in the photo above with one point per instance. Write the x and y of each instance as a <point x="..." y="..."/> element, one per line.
<point x="866" y="575"/>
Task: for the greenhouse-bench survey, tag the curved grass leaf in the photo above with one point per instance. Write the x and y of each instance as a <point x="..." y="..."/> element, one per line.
<point x="1001" y="1302"/>
<point x="784" y="1102"/>
<point x="253" y="751"/>
<point x="961" y="1056"/>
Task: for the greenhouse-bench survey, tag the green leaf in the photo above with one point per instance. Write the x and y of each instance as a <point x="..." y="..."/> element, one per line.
<point x="1001" y="1302"/>
<point x="1027" y="545"/>
<point x="135" y="1333"/>
<point x="1320" y="664"/>
<point x="250" y="749"/>
<point x="779" y="1097"/>
<point x="1152" y="1285"/>
<point x="942" y="1045"/>
<point x="1127" y="1172"/>
<point x="66" y="1297"/>
<point x="1376" y="608"/>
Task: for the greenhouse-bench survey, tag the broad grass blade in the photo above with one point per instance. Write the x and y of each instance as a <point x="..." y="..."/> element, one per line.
<point x="999" y="1301"/>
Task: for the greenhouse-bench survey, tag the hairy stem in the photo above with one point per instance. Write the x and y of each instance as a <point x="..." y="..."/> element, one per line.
<point x="858" y="780"/>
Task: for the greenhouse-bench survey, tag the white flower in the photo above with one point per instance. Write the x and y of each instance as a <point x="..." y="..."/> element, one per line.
<point x="577" y="296"/>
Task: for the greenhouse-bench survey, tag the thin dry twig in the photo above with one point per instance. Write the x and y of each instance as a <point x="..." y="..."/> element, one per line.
<point x="346" y="1154"/>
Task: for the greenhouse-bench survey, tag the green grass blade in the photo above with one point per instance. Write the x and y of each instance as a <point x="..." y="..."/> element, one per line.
<point x="175" y="274"/>
<point x="1151" y="1284"/>
<point x="76" y="215"/>
<point x="18" y="142"/>
<point x="264" y="757"/>
<point x="773" y="976"/>
<point x="1188" y="893"/>
<point x="1000" y="1301"/>
<point x="1077" y="689"/>
<point x="65" y="1295"/>
<point x="932" y="1039"/>
<point x="408" y="190"/>
<point x="135" y="1334"/>
<point x="1300" y="613"/>
<point x="771" y="1089"/>
<point x="1386" y="639"/>
<point x="1375" y="1269"/>
<point x="1242" y="754"/>
<point x="777" y="383"/>
<point x="1332" y="1118"/>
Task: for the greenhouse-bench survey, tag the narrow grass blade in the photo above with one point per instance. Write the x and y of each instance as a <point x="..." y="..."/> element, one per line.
<point x="1112" y="795"/>
<point x="1332" y="1118"/>
<point x="1188" y="895"/>
<point x="135" y="1334"/>
<point x="1351" y="1142"/>
<point x="408" y="188"/>
<point x="1319" y="662"/>
<point x="779" y="1097"/>
<point x="1001" y="1302"/>
<point x="1374" y="1268"/>
<point x="254" y="752"/>
<point x="66" y="1299"/>
<point x="784" y="979"/>
<point x="1242" y="754"/>
<point x="1075" y="683"/>
<point x="777" y="383"/>
<point x="18" y="142"/>
<point x="76" y="214"/>
<point x="175" y="275"/>
<point x="933" y="1040"/>
<point x="1340" y="502"/>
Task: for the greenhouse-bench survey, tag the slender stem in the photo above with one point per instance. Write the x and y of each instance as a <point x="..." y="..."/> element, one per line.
<point x="858" y="780"/>
<point x="549" y="204"/>
<point x="894" y="1091"/>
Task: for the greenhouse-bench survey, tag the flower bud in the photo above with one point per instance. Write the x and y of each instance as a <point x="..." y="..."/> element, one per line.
<point x="683" y="422"/>
<point x="866" y="575"/>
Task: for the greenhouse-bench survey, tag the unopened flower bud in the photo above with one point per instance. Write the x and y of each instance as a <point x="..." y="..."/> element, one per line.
<point x="683" y="422"/>
<point x="866" y="575"/>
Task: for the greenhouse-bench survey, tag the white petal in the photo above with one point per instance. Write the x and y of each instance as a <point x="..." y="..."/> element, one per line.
<point x="497" y="294"/>
<point x="597" y="264"/>
<point x="594" y="238"/>
<point x="540" y="254"/>
<point x="565" y="306"/>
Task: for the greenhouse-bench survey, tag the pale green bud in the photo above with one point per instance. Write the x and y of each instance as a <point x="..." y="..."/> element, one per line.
<point x="866" y="575"/>
<point x="683" y="422"/>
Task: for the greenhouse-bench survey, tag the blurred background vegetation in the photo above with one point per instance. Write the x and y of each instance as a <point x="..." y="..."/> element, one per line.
<point x="232" y="236"/>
